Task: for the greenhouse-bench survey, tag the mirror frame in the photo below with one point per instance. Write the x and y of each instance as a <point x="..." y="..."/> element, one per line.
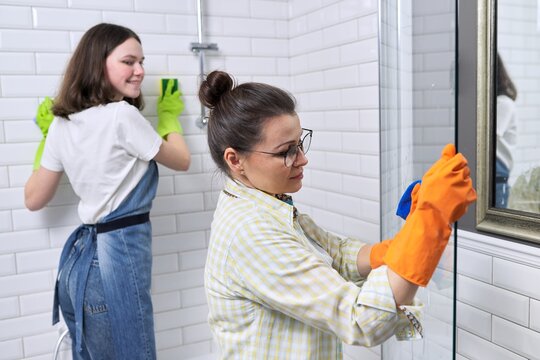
<point x="511" y="223"/>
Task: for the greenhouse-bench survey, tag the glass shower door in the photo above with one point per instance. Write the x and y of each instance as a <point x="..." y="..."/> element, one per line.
<point x="417" y="103"/>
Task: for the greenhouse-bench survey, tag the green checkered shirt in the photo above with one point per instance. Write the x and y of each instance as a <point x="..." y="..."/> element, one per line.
<point x="280" y="287"/>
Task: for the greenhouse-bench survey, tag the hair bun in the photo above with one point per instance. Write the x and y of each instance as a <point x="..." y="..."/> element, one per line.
<point x="216" y="84"/>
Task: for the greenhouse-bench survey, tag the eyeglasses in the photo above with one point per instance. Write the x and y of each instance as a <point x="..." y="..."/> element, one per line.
<point x="290" y="155"/>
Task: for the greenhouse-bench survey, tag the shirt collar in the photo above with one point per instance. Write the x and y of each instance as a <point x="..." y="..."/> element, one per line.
<point x="281" y="203"/>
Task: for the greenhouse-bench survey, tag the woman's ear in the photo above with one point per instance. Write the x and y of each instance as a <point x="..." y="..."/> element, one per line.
<point x="234" y="160"/>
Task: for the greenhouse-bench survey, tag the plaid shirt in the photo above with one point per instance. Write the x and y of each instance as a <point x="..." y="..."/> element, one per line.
<point x="280" y="287"/>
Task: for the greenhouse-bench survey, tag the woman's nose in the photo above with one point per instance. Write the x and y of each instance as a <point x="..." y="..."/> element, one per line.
<point x="301" y="158"/>
<point x="139" y="69"/>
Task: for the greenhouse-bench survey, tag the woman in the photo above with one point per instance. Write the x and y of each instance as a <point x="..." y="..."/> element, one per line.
<point x="277" y="285"/>
<point x="506" y="132"/>
<point x="109" y="151"/>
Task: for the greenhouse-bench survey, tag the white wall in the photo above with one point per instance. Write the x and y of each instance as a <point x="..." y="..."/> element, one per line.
<point x="396" y="92"/>
<point x="334" y="72"/>
<point x="434" y="104"/>
<point x="498" y="292"/>
<point x="324" y="51"/>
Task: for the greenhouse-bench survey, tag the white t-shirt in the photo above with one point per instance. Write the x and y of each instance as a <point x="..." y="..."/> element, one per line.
<point x="104" y="151"/>
<point x="506" y="130"/>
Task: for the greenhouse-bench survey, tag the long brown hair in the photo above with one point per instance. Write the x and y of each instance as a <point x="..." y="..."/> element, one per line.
<point x="85" y="83"/>
<point x="504" y="84"/>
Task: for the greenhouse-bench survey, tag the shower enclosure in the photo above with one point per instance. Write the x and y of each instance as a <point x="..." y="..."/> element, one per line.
<point x="417" y="113"/>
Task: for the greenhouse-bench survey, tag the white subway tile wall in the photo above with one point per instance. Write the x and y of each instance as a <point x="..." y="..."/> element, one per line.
<point x="325" y="52"/>
<point x="534" y="319"/>
<point x="433" y="83"/>
<point x="508" y="304"/>
<point x="475" y="348"/>
<point x="498" y="308"/>
<point x="474" y="320"/>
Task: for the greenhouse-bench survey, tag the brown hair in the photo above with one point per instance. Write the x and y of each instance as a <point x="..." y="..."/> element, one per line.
<point x="504" y="85"/>
<point x="85" y="83"/>
<point x="238" y="113"/>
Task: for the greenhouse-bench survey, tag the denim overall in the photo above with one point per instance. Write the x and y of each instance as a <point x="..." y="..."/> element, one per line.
<point x="103" y="283"/>
<point x="502" y="189"/>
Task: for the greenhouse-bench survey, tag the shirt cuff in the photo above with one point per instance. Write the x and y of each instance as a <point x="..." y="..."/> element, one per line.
<point x="409" y="326"/>
<point x="350" y="267"/>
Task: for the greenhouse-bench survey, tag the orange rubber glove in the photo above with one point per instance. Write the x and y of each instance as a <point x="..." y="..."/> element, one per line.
<point x="378" y="250"/>
<point x="377" y="253"/>
<point x="443" y="197"/>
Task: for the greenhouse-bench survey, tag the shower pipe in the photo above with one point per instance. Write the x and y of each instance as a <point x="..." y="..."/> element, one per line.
<point x="201" y="48"/>
<point x="59" y="343"/>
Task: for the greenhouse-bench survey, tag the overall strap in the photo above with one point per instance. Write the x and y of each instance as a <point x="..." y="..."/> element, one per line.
<point x="87" y="255"/>
<point x="63" y="258"/>
<point x="87" y="235"/>
<point x="89" y="241"/>
<point x="122" y="222"/>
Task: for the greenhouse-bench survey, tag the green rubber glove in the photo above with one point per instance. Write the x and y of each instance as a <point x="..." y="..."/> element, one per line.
<point x="44" y="118"/>
<point x="169" y="108"/>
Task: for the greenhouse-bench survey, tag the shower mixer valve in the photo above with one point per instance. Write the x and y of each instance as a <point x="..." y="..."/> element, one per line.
<point x="196" y="47"/>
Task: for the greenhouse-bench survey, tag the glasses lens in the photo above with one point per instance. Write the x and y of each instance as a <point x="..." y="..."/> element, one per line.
<point x="292" y="153"/>
<point x="306" y="142"/>
<point x="291" y="156"/>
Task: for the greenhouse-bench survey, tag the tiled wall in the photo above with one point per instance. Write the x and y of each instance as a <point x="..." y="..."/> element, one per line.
<point x="433" y="80"/>
<point x="498" y="309"/>
<point x="334" y="75"/>
<point x="325" y="52"/>
<point x="396" y="93"/>
<point x="416" y="54"/>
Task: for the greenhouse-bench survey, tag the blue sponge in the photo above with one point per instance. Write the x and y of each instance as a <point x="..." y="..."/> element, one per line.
<point x="404" y="205"/>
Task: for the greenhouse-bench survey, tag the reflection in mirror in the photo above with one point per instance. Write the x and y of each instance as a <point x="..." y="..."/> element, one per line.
<point x="517" y="89"/>
<point x="505" y="133"/>
<point x="508" y="197"/>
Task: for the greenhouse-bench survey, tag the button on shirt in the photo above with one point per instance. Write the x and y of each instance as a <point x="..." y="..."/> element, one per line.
<point x="280" y="287"/>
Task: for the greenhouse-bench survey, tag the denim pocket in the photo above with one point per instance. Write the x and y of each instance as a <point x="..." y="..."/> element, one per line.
<point x="95" y="309"/>
<point x="94" y="299"/>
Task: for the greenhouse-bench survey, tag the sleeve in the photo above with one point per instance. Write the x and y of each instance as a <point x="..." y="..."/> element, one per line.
<point x="50" y="158"/>
<point x="506" y="120"/>
<point x="278" y="272"/>
<point x="136" y="134"/>
<point x="343" y="251"/>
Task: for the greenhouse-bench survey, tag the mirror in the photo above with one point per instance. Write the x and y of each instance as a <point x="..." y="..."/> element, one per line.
<point x="508" y="118"/>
